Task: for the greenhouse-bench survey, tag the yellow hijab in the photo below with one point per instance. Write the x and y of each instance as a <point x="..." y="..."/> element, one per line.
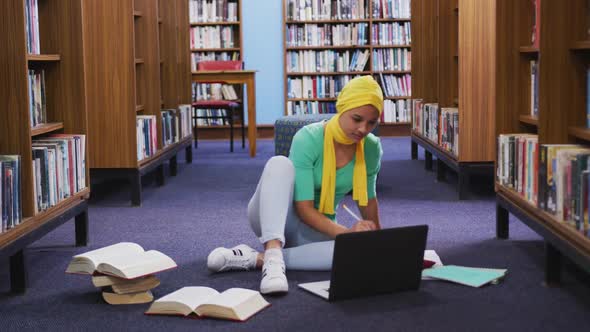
<point x="357" y="92"/>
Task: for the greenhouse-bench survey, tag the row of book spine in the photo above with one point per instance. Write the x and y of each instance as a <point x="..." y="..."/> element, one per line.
<point x="37" y="97"/>
<point x="394" y="111"/>
<point x="10" y="188"/>
<point x="146" y="136"/>
<point x="326" y="61"/>
<point x="553" y="177"/>
<point x="59" y="168"/>
<point x="211" y="117"/>
<point x="176" y="124"/>
<point x="439" y="125"/>
<point x="391" y="33"/>
<point x="327" y="35"/>
<point x="32" y="26"/>
<point x="396" y="86"/>
<point x="212" y="37"/>
<point x="400" y="9"/>
<point x="316" y="86"/>
<point x="392" y="59"/>
<point x="213" y="91"/>
<point x="311" y="10"/>
<point x="197" y="57"/>
<point x="213" y="11"/>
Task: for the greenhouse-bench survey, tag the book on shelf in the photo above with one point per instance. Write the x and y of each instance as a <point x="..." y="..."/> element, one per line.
<point x="133" y="298"/>
<point x="228" y="92"/>
<point x="212" y="11"/>
<point x="534" y="66"/>
<point x="125" y="260"/>
<point x="468" y="276"/>
<point x="10" y="192"/>
<point x="146" y="136"/>
<point x="37" y="97"/>
<point x="553" y="177"/>
<point x="233" y="304"/>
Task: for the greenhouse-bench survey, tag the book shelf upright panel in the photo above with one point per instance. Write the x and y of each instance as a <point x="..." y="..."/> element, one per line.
<point x="174" y="60"/>
<point x="147" y="62"/>
<point x="110" y="82"/>
<point x="517" y="60"/>
<point x="130" y="60"/>
<point x="563" y="72"/>
<point x="42" y="82"/>
<point x="183" y="58"/>
<point x="364" y="37"/>
<point x="425" y="46"/>
<point x="476" y="80"/>
<point x="561" y="47"/>
<point x="448" y="53"/>
<point x="58" y="56"/>
<point x="15" y="126"/>
<point x="455" y="72"/>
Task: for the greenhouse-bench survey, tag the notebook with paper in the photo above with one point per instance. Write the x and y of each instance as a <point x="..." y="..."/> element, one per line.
<point x="374" y="262"/>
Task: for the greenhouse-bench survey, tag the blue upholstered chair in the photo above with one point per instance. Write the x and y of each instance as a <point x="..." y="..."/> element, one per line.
<point x="287" y="126"/>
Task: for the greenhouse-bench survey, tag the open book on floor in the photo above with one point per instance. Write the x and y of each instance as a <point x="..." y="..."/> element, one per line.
<point x="469" y="276"/>
<point x="233" y="304"/>
<point x="125" y="260"/>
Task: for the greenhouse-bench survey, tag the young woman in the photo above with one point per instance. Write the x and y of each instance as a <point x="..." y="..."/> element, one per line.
<point x="292" y="211"/>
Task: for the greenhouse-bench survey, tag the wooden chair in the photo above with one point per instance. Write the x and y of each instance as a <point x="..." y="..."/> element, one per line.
<point x="232" y="108"/>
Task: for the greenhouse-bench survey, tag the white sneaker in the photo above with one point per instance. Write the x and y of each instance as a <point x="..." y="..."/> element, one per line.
<point x="274" y="279"/>
<point x="240" y="257"/>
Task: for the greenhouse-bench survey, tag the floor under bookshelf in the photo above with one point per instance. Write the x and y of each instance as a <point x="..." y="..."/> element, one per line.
<point x="153" y="163"/>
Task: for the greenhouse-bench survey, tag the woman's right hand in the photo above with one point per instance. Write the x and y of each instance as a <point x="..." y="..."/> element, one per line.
<point x="363" y="226"/>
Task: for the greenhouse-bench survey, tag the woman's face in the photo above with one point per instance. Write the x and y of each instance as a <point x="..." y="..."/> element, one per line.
<point x="359" y="122"/>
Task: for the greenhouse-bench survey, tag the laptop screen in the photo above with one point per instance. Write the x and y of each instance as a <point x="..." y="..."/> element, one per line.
<point x="376" y="262"/>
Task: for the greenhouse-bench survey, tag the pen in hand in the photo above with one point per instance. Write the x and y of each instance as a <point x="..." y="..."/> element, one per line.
<point x="350" y="212"/>
<point x="361" y="225"/>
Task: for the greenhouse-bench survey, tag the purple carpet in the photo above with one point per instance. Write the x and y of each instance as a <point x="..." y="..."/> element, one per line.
<point x="205" y="206"/>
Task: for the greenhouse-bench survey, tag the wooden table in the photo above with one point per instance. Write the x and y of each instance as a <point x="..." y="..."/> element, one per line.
<point x="246" y="77"/>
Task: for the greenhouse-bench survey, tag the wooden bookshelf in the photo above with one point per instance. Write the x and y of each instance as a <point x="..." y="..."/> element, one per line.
<point x="60" y="57"/>
<point x="562" y="72"/>
<point x="372" y="20"/>
<point x="455" y="76"/>
<point x="235" y="52"/>
<point x="116" y="35"/>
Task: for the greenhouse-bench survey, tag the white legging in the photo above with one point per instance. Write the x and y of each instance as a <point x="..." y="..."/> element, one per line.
<point x="272" y="217"/>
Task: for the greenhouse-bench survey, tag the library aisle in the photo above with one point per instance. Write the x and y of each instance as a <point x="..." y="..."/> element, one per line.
<point x="174" y="219"/>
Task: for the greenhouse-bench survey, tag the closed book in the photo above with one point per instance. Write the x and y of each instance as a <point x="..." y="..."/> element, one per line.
<point x="134" y="298"/>
<point x="125" y="286"/>
<point x="468" y="276"/>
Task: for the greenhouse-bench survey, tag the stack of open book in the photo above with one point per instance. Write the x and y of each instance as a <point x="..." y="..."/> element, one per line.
<point x="124" y="271"/>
